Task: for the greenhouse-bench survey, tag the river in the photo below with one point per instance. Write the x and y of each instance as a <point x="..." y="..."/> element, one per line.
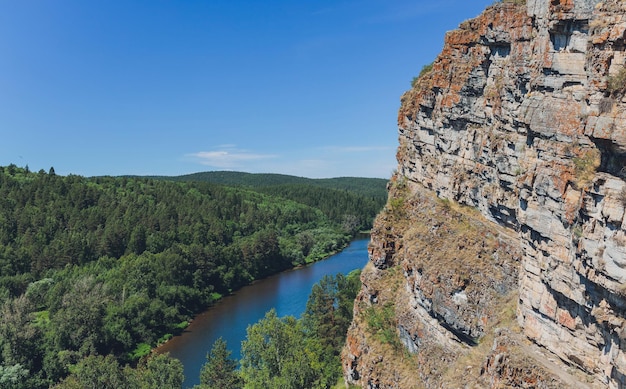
<point x="229" y="318"/>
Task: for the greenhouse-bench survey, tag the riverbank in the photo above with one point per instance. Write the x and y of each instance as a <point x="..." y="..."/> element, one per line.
<point x="287" y="292"/>
<point x="162" y="346"/>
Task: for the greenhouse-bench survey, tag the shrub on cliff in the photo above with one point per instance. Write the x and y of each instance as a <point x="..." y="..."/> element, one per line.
<point x="616" y="84"/>
<point x="425" y="69"/>
<point x="382" y="323"/>
<point x="585" y="167"/>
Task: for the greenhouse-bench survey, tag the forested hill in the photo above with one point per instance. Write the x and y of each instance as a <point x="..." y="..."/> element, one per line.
<point x="370" y="187"/>
<point x="352" y="202"/>
<point x="105" y="265"/>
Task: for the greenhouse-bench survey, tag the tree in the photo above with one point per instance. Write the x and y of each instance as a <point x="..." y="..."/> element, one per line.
<point x="350" y="223"/>
<point x="137" y="243"/>
<point x="328" y="315"/>
<point x="277" y="354"/>
<point x="220" y="371"/>
<point x="96" y="372"/>
<point x="19" y="338"/>
<point x="79" y="321"/>
<point x="329" y="308"/>
<point x="13" y="377"/>
<point x="161" y="371"/>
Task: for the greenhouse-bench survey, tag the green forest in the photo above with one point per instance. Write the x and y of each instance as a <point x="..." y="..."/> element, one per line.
<point x="94" y="272"/>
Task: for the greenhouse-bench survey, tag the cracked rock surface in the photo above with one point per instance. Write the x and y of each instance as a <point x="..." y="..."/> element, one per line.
<point x="522" y="119"/>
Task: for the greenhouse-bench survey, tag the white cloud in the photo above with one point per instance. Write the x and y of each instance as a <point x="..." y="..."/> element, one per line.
<point x="314" y="162"/>
<point x="228" y="157"/>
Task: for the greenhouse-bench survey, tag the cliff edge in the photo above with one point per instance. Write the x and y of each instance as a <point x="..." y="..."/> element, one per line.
<point x="500" y="258"/>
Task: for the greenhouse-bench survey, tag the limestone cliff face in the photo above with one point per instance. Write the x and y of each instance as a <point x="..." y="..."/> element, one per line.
<point x="522" y="118"/>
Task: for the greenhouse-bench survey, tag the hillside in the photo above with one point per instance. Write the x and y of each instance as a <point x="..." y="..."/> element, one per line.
<point x="352" y="202"/>
<point x="499" y="258"/>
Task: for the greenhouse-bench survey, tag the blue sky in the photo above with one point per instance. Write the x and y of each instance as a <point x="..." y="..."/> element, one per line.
<point x="308" y="88"/>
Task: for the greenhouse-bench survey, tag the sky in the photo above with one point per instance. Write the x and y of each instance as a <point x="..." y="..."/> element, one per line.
<point x="154" y="87"/>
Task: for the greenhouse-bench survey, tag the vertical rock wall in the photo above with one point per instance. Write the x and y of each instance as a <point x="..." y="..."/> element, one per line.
<point x="523" y="117"/>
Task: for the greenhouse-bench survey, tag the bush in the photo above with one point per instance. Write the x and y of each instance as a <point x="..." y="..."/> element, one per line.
<point x="381" y="322"/>
<point x="616" y="84"/>
<point x="425" y="69"/>
<point x="140" y="351"/>
<point x="585" y="167"/>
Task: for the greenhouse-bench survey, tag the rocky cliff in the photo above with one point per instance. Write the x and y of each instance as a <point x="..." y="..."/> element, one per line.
<point x="500" y="258"/>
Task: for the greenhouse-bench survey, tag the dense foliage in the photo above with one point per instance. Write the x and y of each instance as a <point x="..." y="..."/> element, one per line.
<point x="352" y="202"/>
<point x="98" y="372"/>
<point x="112" y="266"/>
<point x="353" y="212"/>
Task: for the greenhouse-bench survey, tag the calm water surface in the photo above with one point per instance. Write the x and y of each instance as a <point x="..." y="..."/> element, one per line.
<point x="287" y="292"/>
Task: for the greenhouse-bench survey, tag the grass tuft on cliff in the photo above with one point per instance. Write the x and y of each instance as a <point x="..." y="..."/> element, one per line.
<point x="585" y="166"/>
<point x="616" y="84"/>
<point x="425" y="70"/>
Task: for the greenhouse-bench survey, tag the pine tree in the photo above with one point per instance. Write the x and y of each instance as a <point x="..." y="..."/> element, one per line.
<point x="220" y="371"/>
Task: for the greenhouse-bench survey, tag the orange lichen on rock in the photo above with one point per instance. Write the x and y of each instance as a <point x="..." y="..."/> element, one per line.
<point x="462" y="53"/>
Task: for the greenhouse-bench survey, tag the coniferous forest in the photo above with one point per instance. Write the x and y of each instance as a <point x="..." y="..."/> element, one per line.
<point x="95" y="272"/>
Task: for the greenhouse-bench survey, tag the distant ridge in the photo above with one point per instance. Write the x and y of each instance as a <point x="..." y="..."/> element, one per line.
<point x="375" y="187"/>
